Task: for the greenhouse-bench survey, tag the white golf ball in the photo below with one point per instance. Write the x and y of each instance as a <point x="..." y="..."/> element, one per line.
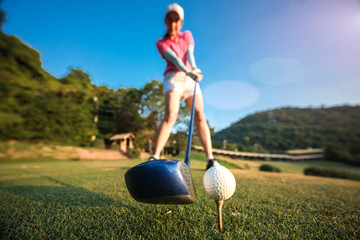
<point x="219" y="183"/>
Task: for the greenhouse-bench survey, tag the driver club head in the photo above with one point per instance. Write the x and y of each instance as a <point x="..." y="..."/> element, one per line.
<point x="163" y="181"/>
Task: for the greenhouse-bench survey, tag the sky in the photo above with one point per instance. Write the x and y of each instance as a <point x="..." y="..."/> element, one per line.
<point x="255" y="55"/>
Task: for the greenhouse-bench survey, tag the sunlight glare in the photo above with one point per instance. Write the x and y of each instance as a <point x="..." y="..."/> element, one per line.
<point x="356" y="22"/>
<point x="277" y="70"/>
<point x="230" y="94"/>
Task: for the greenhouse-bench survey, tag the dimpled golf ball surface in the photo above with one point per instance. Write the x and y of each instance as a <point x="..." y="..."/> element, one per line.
<point x="219" y="183"/>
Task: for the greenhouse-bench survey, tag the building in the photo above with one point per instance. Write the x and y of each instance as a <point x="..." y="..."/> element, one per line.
<point x="125" y="141"/>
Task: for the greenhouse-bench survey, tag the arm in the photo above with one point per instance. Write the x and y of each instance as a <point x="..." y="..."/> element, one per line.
<point x="190" y="56"/>
<point x="171" y="56"/>
<point x="191" y="59"/>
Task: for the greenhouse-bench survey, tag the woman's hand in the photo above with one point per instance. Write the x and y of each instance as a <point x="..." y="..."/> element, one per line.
<point x="195" y="74"/>
<point x="198" y="73"/>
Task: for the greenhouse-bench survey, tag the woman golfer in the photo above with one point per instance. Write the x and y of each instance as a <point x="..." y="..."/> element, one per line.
<point x="177" y="49"/>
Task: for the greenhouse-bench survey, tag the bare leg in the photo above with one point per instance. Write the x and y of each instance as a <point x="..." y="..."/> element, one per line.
<point x="201" y="124"/>
<point x="172" y="101"/>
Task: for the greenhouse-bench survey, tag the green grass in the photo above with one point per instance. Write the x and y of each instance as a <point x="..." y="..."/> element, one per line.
<point x="89" y="199"/>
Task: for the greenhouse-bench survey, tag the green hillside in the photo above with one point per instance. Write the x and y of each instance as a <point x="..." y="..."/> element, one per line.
<point x="295" y="128"/>
<point x="37" y="106"/>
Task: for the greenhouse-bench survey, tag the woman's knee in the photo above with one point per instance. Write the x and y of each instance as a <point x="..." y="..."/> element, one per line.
<point x="170" y="117"/>
<point x="199" y="116"/>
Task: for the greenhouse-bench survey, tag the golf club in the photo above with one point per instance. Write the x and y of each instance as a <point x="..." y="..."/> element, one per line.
<point x="164" y="181"/>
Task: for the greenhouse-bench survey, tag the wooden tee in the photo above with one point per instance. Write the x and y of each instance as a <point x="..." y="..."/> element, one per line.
<point x="219" y="204"/>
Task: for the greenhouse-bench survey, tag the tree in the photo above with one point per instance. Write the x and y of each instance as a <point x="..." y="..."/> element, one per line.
<point x="152" y="98"/>
<point x="2" y="17"/>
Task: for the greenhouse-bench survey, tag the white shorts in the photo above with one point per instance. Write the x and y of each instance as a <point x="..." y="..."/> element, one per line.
<point x="181" y="83"/>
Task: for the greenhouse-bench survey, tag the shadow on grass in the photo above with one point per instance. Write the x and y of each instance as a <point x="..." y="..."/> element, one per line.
<point x="64" y="194"/>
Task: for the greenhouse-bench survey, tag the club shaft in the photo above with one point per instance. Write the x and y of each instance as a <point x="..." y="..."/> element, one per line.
<point x="188" y="148"/>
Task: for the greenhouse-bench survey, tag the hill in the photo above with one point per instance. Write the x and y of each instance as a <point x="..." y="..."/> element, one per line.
<point x="292" y="128"/>
<point x="37" y="106"/>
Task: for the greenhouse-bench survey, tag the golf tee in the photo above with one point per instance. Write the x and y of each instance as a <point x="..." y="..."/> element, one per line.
<point x="219" y="204"/>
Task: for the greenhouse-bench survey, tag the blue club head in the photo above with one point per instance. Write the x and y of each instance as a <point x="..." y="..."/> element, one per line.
<point x="163" y="181"/>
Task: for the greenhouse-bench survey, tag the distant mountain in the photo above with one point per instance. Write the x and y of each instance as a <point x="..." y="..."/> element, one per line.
<point x="291" y="128"/>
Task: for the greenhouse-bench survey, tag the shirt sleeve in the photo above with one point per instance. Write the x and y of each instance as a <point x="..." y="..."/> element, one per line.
<point x="162" y="47"/>
<point x="189" y="39"/>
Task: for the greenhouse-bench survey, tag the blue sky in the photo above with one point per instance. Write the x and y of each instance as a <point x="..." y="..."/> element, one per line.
<point x="255" y="55"/>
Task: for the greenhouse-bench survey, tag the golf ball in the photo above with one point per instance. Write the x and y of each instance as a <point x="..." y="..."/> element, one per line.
<point x="219" y="183"/>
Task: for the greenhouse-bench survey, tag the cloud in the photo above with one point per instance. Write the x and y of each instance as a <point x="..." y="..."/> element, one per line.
<point x="277" y="70"/>
<point x="230" y="94"/>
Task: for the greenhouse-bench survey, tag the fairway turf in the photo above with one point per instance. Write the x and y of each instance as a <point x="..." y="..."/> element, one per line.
<point x="88" y="199"/>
